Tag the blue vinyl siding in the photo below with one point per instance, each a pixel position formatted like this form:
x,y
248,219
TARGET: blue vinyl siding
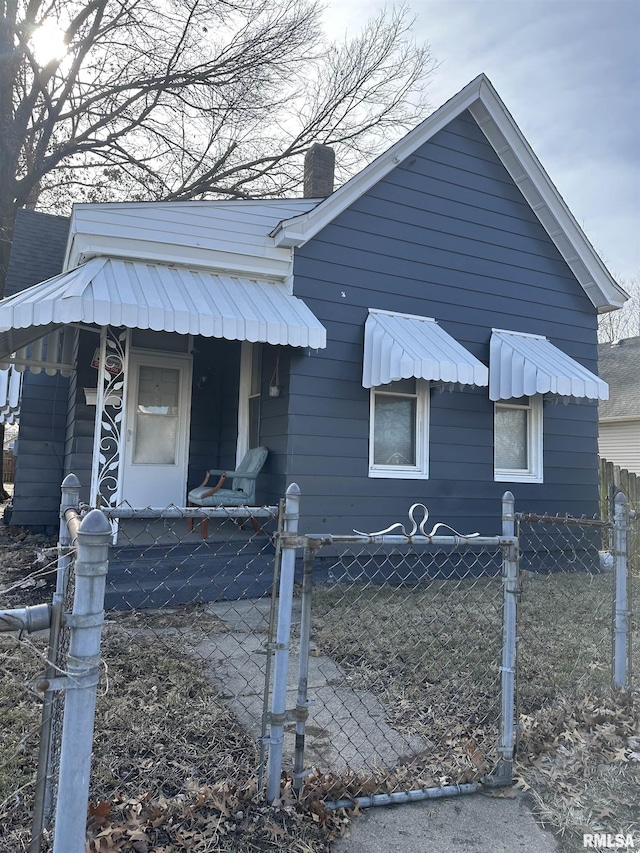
x,y
81,417
37,253
40,458
448,235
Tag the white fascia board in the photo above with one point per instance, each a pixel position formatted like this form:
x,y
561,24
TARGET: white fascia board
x,y
297,230
500,129
70,255
88,246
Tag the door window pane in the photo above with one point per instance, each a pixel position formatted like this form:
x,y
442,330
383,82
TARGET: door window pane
x,y
156,417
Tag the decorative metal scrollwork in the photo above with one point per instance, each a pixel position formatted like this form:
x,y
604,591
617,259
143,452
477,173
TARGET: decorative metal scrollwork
x,y
112,375
417,526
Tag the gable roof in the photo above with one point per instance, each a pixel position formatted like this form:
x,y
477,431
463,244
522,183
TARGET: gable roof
x,y
37,251
482,101
619,365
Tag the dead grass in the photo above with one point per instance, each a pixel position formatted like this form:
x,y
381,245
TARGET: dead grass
x,y
172,770
579,748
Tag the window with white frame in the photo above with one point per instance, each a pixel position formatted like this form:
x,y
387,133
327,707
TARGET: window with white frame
x,y
399,429
518,440
254,396
249,399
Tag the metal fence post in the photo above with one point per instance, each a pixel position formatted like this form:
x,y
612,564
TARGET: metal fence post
x,y
80,682
302,702
283,633
269,645
503,774
621,680
70,498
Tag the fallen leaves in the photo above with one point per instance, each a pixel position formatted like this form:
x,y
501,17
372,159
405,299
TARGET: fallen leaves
x,y
222,816
575,760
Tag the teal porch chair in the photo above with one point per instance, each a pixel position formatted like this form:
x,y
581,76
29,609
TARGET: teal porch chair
x,y
241,493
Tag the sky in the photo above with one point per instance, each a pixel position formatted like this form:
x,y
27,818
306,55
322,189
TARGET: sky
x,y
568,71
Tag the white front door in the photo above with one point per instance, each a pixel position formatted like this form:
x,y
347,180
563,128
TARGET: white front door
x,y
157,430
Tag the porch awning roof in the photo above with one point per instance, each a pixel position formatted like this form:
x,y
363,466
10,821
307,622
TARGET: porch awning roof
x,y
401,346
136,294
522,365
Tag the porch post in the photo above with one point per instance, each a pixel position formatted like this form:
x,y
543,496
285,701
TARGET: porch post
x,y
110,420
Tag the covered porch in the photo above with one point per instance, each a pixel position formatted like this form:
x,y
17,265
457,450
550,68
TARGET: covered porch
x,y
175,370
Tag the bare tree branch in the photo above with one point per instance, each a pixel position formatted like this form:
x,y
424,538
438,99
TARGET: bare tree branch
x,y
625,323
191,99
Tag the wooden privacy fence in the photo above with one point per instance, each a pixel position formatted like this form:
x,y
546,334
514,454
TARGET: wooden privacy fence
x,y
612,479
9,466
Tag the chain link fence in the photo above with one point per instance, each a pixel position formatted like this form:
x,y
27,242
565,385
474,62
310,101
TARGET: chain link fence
x,y
21,661
565,614
567,618
395,680
405,674
28,570
186,656
577,730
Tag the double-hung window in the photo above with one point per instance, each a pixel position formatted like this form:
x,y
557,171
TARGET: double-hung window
x,y
518,440
399,427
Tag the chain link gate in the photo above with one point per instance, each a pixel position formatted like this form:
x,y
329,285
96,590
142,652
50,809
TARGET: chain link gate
x,y
405,649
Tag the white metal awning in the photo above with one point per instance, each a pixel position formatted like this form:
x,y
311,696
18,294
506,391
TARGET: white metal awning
x,y
10,392
401,346
136,294
522,365
51,353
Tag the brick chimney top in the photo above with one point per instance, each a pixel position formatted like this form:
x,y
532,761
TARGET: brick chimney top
x,y
319,165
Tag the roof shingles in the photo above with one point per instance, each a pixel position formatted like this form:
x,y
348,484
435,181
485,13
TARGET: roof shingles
x,y
38,249
619,365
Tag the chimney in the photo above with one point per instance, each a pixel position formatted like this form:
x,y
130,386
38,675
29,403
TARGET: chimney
x,y
319,162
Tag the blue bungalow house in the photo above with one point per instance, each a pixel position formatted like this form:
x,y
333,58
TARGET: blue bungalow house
x,y
427,332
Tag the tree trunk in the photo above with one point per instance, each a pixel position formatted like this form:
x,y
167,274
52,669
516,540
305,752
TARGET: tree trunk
x,y
7,223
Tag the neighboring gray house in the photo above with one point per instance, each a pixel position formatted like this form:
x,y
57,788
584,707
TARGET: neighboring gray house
x,y
404,338
37,253
619,416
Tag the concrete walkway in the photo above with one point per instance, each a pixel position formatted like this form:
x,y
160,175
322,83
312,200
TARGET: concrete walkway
x,y
468,824
346,728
